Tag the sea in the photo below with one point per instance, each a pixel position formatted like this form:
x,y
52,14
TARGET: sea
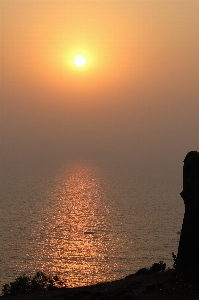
x,y
87,225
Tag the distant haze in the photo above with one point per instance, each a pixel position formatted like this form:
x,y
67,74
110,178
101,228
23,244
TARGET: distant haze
x,y
136,105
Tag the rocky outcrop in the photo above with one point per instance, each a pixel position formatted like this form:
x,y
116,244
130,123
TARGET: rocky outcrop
x,y
187,260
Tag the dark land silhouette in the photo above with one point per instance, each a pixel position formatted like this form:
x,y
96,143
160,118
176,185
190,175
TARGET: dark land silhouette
x,y
188,252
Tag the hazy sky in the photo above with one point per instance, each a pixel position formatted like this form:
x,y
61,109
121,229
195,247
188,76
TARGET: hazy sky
x,y
134,105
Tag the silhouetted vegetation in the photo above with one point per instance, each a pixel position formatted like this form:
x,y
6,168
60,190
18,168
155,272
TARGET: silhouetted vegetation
x,y
24,284
175,260
155,268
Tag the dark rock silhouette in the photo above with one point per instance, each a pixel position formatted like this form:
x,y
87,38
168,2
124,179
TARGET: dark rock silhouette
x,y
187,261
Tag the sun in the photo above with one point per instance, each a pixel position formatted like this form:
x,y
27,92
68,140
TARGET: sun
x,y
80,61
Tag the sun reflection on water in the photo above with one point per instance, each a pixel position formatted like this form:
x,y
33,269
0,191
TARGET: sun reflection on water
x,y
77,243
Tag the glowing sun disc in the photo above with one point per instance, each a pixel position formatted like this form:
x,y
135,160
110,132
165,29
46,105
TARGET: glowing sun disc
x,y
79,61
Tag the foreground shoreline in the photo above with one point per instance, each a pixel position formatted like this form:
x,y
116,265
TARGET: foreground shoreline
x,y
157,286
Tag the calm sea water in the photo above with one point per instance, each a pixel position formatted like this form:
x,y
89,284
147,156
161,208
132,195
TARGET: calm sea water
x,y
87,226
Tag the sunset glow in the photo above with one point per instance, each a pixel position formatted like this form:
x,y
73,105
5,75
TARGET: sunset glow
x,y
80,61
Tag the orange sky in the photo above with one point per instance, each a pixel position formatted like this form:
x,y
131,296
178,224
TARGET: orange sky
x,y
136,96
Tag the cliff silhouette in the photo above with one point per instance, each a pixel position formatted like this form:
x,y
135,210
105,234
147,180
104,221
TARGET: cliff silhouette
x,y
187,261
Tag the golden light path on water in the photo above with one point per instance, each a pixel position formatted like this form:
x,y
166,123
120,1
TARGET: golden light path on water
x,y
86,226
78,244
